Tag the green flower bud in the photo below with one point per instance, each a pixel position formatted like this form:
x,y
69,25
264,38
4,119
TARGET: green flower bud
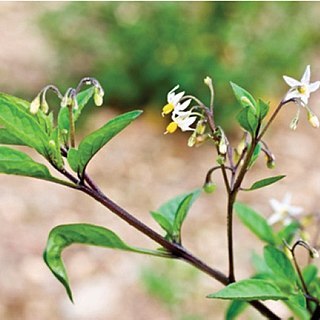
x,y
35,104
209,187
98,96
220,160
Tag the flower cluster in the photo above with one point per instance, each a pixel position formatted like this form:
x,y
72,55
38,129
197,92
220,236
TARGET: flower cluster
x,y
181,117
300,93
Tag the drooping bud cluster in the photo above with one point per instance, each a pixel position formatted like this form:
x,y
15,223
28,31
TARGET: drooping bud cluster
x,y
69,99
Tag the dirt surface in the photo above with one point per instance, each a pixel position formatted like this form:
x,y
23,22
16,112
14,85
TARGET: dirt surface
x,y
140,169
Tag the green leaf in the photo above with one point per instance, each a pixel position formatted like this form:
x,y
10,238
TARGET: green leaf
x,y
240,93
263,108
309,274
248,120
18,163
288,232
235,308
164,223
90,145
280,264
250,289
23,126
297,304
63,236
171,214
264,182
255,222
7,138
183,210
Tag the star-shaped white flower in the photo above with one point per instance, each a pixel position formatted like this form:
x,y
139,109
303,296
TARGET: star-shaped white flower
x,y
283,211
174,104
183,120
300,90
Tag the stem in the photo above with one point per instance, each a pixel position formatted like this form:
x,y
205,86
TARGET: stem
x,y
72,127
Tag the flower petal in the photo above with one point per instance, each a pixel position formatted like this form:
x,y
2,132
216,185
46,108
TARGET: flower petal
x,y
274,218
291,82
314,86
306,76
292,94
182,106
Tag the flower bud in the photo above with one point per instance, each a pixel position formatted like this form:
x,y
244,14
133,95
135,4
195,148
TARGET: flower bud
x,y
313,119
209,187
44,105
208,81
201,127
314,253
271,163
98,96
64,102
223,146
35,104
192,140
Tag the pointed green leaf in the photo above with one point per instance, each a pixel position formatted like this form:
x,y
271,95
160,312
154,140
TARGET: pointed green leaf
x,y
250,289
164,223
235,308
183,209
241,93
248,120
63,236
18,163
7,138
280,264
264,182
174,212
263,108
255,222
18,121
91,144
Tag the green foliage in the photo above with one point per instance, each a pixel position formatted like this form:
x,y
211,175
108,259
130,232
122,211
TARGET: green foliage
x,y
265,182
23,126
248,120
91,144
171,214
250,289
18,163
280,264
235,308
255,155
164,55
244,97
255,222
63,236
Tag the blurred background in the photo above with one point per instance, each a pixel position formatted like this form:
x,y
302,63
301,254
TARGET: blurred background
x,y
139,51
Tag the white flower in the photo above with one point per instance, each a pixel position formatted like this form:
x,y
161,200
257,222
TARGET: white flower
x,y
183,120
283,211
301,90
174,104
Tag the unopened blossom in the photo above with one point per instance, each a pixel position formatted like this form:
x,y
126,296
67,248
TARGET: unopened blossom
x,y
35,104
283,211
300,90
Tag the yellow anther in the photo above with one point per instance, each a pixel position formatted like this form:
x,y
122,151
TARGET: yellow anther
x,y
167,109
302,89
171,128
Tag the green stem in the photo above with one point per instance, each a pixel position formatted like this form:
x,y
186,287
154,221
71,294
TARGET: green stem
x,y
72,127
